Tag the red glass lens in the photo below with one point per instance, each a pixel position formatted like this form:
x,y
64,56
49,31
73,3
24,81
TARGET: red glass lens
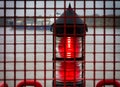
x,y
69,71
69,47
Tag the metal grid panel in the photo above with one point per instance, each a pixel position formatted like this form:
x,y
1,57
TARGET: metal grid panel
x,y
26,47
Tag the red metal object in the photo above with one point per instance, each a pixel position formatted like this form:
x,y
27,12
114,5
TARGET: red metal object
x,y
2,84
108,82
29,83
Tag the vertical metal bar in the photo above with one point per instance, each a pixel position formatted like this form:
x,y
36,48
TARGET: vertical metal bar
x,y
104,41
64,44
35,41
5,41
94,47
84,63
25,41
14,43
45,43
74,19
54,46
114,42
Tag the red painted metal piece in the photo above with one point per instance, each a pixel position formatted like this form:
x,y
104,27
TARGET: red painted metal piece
x,y
108,82
2,84
29,83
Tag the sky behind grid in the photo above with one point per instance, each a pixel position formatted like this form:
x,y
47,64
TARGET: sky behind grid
x,y
99,5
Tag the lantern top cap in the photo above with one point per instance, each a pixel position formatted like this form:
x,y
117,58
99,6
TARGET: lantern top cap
x,y
69,17
69,5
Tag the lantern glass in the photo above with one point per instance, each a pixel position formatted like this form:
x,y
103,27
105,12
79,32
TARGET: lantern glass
x,y
68,71
68,47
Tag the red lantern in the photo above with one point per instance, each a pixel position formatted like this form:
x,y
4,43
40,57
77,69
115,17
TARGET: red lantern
x,y
68,49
